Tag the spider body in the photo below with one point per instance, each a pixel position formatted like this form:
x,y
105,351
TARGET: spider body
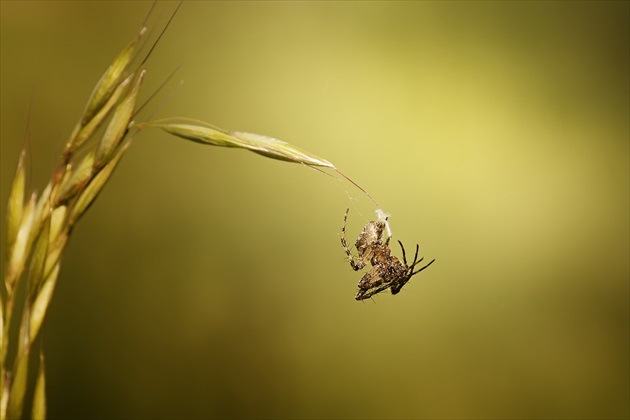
x,y
387,271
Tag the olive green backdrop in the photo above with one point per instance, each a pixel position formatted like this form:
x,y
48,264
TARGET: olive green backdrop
x,y
210,282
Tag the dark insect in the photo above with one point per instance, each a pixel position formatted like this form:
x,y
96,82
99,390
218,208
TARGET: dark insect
x,y
387,271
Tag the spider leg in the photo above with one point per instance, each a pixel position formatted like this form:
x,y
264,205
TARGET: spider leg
x,y
398,285
412,266
368,293
415,258
356,266
417,271
403,251
416,261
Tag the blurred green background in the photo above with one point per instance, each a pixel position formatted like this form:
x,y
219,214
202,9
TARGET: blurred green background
x,y
210,282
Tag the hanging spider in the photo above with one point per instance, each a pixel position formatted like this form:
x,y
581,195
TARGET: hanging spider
x,y
387,271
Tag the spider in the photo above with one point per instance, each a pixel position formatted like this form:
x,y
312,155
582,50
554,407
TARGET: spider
x,y
387,271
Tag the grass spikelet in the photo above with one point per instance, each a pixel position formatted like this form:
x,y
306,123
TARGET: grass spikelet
x,y
118,126
200,132
57,223
16,202
204,134
20,249
57,238
263,145
18,387
87,197
277,149
77,178
85,131
104,89
39,398
111,77
42,210
40,304
38,260
55,250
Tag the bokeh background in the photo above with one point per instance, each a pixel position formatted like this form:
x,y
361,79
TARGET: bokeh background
x,y
210,282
